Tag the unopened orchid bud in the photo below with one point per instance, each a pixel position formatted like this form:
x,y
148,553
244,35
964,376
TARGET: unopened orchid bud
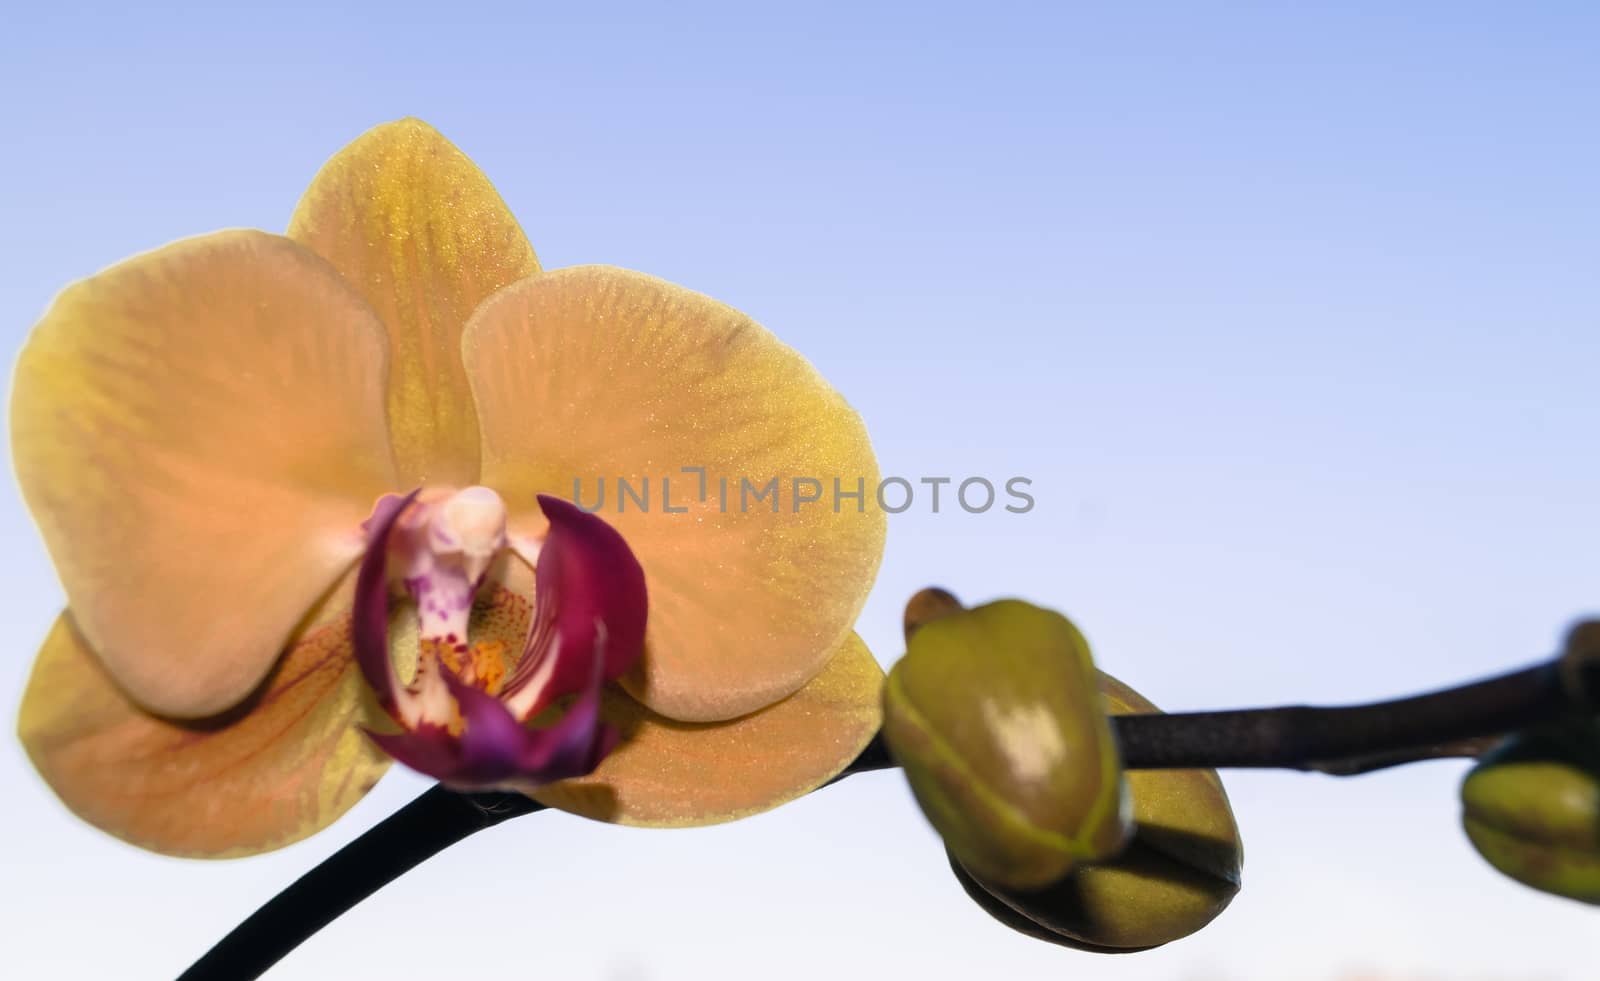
x,y
1580,663
995,715
1532,808
927,606
1179,871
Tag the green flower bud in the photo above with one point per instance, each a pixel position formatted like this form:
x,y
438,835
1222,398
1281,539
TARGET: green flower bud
x,y
1181,869
1532,808
927,606
1580,663
995,716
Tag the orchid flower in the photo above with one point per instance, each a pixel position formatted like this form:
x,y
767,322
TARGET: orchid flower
x,y
307,499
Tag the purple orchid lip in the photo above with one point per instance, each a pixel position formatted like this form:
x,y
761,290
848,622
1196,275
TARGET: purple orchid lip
x,y
370,623
588,625
590,597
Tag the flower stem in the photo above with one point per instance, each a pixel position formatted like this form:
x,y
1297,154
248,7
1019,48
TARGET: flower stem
x,y
1348,740
434,821
1342,741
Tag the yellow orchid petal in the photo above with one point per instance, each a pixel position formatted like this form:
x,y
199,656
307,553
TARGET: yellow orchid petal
x,y
593,372
272,771
680,774
199,433
418,229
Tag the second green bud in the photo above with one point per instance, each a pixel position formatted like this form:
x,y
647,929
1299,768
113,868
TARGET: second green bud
x,y
1532,808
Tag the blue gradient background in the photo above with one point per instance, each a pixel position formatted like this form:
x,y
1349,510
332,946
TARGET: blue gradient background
x,y
1291,315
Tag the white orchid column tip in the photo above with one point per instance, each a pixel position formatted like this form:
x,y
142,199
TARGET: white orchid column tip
x,y
442,546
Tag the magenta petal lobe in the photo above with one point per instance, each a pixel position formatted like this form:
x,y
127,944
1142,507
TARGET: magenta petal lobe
x,y
495,750
428,749
370,623
590,606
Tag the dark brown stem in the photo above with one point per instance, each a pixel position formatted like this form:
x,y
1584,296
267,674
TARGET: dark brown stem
x,y
394,846
1350,739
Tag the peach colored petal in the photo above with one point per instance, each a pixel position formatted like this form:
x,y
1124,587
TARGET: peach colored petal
x,y
592,372
273,770
680,774
419,230
199,432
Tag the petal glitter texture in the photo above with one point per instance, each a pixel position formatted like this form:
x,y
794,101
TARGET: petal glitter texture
x,y
277,769
591,372
418,229
678,774
201,429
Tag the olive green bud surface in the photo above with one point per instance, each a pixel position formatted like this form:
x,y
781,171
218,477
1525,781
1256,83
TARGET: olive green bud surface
x,y
996,717
1531,807
1179,872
